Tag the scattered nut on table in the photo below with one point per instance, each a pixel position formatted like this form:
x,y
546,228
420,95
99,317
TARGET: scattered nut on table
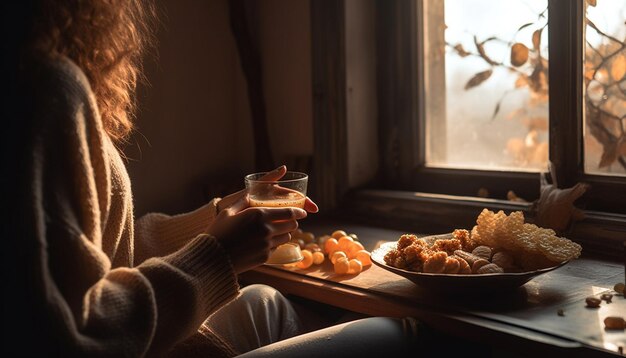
x,y
560,312
614,322
619,288
606,297
593,302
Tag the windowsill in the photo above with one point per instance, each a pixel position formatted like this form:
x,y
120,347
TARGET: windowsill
x,y
599,233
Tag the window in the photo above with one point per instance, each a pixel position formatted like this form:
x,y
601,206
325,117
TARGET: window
x,y
485,80
605,89
426,180
501,87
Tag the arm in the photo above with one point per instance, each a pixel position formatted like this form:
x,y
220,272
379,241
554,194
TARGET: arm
x,y
158,234
65,298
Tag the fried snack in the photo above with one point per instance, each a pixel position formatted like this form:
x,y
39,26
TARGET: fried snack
x,y
452,265
392,257
467,244
436,263
526,241
482,251
447,245
415,253
406,240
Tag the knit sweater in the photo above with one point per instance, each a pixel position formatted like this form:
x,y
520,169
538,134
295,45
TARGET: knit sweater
x,y
87,279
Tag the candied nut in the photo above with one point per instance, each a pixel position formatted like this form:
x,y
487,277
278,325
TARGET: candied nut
x,y
436,263
593,302
452,265
469,257
619,288
504,260
464,266
484,252
614,322
478,264
490,268
606,297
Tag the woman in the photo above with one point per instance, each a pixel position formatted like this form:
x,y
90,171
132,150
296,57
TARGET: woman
x,y
84,277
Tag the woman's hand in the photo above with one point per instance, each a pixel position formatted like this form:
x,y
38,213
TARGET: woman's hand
x,y
249,233
275,174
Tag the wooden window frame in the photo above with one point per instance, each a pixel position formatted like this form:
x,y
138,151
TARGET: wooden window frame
x,y
407,194
402,114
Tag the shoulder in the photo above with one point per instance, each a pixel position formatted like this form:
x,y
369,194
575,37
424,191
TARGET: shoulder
x,y
55,98
55,79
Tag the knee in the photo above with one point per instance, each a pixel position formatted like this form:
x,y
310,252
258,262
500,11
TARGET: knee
x,y
261,294
258,291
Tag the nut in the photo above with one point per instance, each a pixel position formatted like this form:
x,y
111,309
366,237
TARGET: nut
x,y
490,268
614,322
560,312
484,252
469,257
606,297
504,260
478,264
464,267
619,288
593,302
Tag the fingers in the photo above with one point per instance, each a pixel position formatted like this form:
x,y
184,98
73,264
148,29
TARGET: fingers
x,y
275,174
310,206
240,204
282,227
282,214
280,239
227,201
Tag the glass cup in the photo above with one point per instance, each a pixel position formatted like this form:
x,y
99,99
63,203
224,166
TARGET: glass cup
x,y
289,191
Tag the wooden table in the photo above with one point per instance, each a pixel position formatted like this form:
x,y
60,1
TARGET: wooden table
x,y
526,317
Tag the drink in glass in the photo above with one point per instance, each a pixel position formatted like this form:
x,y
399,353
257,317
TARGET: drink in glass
x,y
289,191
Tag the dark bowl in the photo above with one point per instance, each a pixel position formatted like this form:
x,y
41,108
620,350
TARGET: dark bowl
x,y
456,282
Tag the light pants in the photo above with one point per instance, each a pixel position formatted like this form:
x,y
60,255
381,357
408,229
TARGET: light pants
x,y
262,317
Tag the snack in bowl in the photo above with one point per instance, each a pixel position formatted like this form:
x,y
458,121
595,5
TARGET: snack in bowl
x,y
498,243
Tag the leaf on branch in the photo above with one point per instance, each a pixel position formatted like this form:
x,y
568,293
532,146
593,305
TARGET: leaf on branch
x,y
524,26
618,68
537,39
522,81
519,54
591,2
478,78
460,50
481,50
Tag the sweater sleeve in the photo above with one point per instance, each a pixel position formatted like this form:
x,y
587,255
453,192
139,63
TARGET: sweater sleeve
x,y
68,298
158,234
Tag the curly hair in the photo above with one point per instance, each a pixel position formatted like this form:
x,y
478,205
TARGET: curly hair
x,y
107,40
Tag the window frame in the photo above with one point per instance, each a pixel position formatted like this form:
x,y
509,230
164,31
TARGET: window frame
x,y
402,115
400,195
